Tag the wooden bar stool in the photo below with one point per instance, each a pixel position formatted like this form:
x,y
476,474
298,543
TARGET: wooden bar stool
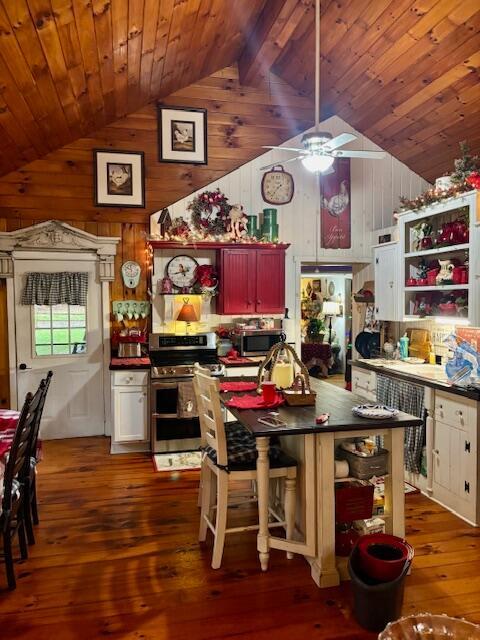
x,y
231,456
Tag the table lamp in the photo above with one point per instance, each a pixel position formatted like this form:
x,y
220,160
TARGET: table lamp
x,y
330,308
187,314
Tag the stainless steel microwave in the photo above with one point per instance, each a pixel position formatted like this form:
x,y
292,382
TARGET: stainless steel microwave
x,y
257,342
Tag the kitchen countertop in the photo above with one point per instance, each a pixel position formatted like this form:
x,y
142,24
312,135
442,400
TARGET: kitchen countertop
x,y
429,375
242,362
117,364
302,420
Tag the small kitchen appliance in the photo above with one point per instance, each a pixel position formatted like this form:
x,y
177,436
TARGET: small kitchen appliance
x,y
256,342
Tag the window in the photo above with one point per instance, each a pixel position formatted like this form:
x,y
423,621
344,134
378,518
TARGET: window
x,y
60,329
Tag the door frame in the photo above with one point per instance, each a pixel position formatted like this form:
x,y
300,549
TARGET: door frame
x,y
48,240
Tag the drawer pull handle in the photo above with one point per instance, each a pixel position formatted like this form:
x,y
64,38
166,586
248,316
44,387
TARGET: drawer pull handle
x,y
459,413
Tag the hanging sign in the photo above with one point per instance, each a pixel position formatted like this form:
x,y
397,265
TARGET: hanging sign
x,y
335,211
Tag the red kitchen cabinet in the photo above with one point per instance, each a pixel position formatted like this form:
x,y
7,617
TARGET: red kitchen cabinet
x,y
252,280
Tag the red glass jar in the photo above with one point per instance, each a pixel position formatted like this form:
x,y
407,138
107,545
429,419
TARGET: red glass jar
x,y
345,539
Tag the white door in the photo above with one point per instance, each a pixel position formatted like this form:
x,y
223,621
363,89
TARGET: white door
x,y
386,282
67,340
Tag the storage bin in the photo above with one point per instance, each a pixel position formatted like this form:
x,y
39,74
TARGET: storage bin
x,y
353,500
364,468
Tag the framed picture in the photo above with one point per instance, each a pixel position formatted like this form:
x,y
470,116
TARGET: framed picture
x,y
182,135
119,178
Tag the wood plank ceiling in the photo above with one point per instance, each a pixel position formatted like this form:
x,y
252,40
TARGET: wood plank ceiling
x,y
405,73
69,67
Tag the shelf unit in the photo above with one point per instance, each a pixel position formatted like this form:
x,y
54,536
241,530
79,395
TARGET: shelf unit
x,y
446,211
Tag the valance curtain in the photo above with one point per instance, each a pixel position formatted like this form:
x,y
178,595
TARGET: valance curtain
x,y
56,288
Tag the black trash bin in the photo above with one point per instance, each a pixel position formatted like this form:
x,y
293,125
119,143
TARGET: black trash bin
x,y
375,603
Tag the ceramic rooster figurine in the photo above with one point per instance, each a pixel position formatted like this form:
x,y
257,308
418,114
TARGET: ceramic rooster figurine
x,y
337,204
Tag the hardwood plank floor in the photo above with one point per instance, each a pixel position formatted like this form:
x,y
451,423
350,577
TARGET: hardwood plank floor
x,y
117,556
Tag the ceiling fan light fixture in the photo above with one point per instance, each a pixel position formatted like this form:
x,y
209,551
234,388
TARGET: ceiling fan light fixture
x,y
317,163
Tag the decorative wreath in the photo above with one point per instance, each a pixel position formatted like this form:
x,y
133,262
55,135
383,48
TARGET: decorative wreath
x,y
210,211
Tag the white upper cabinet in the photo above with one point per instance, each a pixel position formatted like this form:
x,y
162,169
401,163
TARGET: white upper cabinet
x,y
386,259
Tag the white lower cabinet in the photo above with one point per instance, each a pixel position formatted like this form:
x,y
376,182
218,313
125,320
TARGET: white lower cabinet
x,y
364,384
454,481
130,406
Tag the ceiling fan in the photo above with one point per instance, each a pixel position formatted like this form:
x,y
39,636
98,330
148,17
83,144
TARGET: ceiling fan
x,y
319,148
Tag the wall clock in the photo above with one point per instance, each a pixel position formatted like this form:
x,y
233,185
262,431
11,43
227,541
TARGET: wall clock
x,y
131,273
182,271
277,186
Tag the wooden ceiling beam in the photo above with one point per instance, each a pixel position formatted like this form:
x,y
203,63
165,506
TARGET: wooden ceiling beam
x,y
273,29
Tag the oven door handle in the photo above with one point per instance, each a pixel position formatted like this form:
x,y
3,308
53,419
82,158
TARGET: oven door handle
x,y
164,416
163,385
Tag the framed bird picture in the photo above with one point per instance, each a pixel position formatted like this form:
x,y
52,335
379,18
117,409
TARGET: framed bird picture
x,y
182,135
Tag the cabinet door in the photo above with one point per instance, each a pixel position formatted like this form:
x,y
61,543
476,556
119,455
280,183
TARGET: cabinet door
x,y
270,277
386,282
130,420
441,457
237,281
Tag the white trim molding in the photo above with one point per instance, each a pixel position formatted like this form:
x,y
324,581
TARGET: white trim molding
x,y
47,241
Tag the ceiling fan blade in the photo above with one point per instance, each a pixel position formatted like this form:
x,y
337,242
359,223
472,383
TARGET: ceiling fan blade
x,y
272,164
284,148
373,155
329,171
338,141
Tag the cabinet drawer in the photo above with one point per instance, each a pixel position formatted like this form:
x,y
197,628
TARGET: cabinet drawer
x,y
235,372
451,410
130,378
364,383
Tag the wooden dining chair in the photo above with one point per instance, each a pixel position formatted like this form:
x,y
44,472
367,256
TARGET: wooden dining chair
x,y
229,457
12,512
29,473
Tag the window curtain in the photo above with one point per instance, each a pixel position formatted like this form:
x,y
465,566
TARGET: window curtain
x,y
56,288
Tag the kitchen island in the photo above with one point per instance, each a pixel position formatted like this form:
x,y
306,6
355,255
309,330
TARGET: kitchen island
x,y
317,467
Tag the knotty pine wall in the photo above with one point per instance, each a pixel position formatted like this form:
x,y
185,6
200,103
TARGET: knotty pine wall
x,y
60,185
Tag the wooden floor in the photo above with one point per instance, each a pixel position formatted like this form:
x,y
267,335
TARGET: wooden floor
x,y
117,556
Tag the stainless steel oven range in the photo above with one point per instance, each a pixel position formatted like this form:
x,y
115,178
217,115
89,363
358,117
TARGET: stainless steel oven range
x,y
174,423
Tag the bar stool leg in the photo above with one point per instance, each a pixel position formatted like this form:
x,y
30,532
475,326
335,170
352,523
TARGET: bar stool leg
x,y
290,504
263,471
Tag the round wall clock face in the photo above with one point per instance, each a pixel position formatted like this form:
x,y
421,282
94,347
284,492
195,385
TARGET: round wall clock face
x,y
181,271
277,186
131,273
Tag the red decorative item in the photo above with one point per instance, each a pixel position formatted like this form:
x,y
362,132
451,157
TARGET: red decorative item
x,y
268,392
422,282
335,213
460,275
206,276
474,180
255,402
432,277
411,282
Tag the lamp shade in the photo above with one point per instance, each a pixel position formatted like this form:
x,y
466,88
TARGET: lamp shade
x,y
187,312
331,308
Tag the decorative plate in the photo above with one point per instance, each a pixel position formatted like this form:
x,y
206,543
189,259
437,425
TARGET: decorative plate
x,y
374,411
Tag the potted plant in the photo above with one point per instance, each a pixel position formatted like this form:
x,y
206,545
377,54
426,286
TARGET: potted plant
x,y
315,330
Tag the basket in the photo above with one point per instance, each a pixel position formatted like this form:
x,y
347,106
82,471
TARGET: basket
x,y
266,367
362,467
353,500
299,395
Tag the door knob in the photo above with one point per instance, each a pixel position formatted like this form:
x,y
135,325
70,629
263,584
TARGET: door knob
x,y
22,366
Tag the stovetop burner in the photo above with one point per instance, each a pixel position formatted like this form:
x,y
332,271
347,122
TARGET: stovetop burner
x,y
174,356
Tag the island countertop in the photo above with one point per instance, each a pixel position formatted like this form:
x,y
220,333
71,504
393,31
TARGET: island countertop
x,y
301,420
427,375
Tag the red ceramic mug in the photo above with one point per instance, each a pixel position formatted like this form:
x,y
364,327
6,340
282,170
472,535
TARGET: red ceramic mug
x,y
268,392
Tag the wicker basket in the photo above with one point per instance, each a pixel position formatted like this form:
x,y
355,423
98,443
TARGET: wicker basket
x,y
299,395
362,467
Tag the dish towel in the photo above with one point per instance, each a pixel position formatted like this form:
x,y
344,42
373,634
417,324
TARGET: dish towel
x,y
186,403
409,398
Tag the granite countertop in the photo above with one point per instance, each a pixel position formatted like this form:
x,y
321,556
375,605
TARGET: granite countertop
x,y
429,375
130,363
